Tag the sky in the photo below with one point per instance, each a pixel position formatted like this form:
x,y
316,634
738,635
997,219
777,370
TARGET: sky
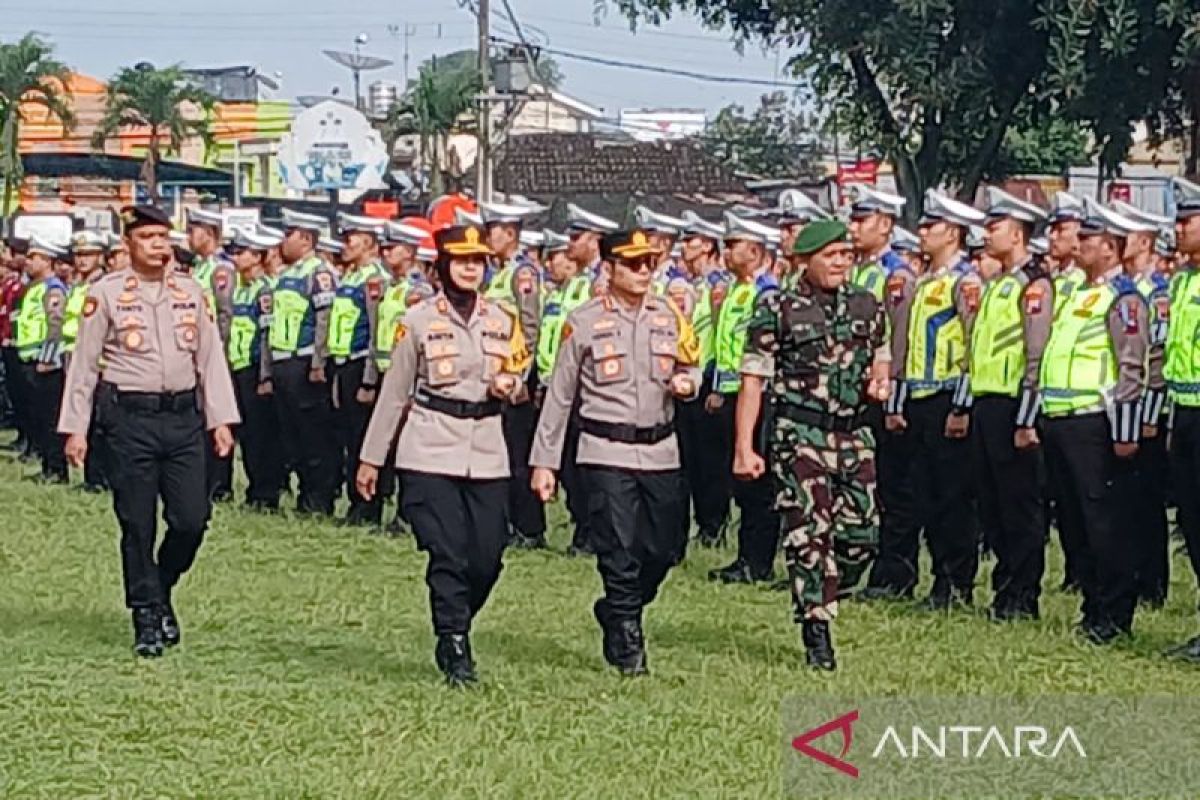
x,y
98,36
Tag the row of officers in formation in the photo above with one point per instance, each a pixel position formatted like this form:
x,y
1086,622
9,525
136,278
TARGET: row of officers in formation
x,y
849,386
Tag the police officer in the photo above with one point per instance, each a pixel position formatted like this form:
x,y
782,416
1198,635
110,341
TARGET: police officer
x,y
87,252
516,284
249,355
1181,368
796,209
1005,355
704,460
152,333
584,233
880,270
670,279
353,327
746,243
817,347
457,356
299,337
928,350
1091,381
625,358
1141,264
568,289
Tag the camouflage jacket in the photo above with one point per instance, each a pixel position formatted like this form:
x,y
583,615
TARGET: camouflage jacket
x,y
815,347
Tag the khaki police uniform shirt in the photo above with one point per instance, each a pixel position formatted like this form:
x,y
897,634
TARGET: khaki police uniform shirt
x,y
152,336
619,362
438,353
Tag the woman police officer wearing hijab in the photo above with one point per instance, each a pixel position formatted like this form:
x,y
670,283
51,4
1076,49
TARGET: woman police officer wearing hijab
x,y
457,356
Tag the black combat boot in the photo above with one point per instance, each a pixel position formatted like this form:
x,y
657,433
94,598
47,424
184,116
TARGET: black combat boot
x,y
147,632
631,648
818,645
611,641
453,656
1188,651
739,572
170,624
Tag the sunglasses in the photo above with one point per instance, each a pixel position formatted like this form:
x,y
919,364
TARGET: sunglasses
x,y
645,264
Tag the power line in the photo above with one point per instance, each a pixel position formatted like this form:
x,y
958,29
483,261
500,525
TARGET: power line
x,y
680,73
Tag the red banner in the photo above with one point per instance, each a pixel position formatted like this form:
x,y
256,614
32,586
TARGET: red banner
x,y
866,171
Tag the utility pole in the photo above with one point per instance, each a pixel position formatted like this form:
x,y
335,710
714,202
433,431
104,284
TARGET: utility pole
x,y
483,153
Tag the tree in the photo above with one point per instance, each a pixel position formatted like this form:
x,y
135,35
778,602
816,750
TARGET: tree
x,y
163,101
937,84
548,73
773,142
29,78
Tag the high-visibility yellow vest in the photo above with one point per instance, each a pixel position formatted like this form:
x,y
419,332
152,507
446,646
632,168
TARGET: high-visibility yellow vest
x,y
998,339
203,272
349,324
31,325
1079,369
729,337
73,315
1181,365
247,322
560,302
1066,282
936,342
292,323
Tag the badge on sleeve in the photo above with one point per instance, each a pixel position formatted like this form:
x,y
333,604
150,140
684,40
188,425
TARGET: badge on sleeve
x,y
264,303
89,306
895,289
526,284
1163,306
1129,316
401,332
567,330
971,294
324,282
1034,296
374,289
220,280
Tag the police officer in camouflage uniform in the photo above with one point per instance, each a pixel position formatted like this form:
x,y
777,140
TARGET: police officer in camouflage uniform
x,y
817,348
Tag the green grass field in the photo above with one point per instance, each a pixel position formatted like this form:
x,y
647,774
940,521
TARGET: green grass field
x,y
306,670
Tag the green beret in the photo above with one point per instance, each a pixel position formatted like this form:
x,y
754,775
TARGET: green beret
x,y
817,235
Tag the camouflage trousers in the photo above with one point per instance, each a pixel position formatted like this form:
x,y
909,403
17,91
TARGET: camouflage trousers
x,y
825,496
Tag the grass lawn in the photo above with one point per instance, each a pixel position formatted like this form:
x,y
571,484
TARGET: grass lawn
x,y
306,670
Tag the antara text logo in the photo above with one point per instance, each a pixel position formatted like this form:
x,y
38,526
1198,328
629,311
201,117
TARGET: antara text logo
x,y
939,742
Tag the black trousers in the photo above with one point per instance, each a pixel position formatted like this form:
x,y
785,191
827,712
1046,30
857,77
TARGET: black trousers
x,y
945,504
1011,506
306,427
461,523
45,391
352,420
525,512
14,380
158,455
1185,471
707,456
634,525
95,464
574,486
1150,526
1097,487
258,439
897,565
758,529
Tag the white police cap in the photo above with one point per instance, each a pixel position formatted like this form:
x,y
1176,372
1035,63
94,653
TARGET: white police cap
x,y
940,208
695,225
905,240
1104,220
554,242
748,230
200,216
400,233
1002,204
506,213
796,206
252,240
313,223
1160,224
349,223
581,220
654,222
533,239
1187,198
872,201
1066,207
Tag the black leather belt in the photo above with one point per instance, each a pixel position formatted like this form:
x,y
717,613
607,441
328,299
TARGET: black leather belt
x,y
461,409
826,422
157,402
626,434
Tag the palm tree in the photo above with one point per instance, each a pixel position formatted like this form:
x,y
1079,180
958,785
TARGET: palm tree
x,y
29,76
163,101
432,109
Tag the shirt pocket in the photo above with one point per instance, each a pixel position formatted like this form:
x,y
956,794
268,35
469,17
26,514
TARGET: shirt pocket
x,y
495,353
187,335
809,340
610,358
133,333
664,349
441,362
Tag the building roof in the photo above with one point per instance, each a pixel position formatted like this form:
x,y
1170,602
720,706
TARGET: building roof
x,y
553,164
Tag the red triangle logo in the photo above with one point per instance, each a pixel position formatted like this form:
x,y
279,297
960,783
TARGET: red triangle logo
x,y
845,725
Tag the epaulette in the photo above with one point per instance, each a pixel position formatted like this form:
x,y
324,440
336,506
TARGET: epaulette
x,y
1123,284
1034,270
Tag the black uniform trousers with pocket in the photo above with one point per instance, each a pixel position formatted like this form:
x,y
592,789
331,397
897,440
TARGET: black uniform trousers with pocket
x,y
525,512
1099,490
306,426
45,391
258,438
1185,472
634,524
758,527
1154,559
352,420
159,442
462,524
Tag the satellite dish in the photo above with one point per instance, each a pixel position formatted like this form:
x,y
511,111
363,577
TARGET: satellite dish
x,y
357,62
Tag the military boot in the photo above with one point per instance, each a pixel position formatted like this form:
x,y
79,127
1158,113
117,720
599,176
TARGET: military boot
x,y
453,656
147,632
170,624
818,645
631,648
1188,651
611,641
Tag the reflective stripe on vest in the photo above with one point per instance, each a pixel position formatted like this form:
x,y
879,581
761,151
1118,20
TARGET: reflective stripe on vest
x,y
31,325
1181,365
998,339
73,315
292,307
500,288
391,313
1065,283
1079,368
870,276
559,304
936,343
702,321
349,324
202,273
730,335
244,326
